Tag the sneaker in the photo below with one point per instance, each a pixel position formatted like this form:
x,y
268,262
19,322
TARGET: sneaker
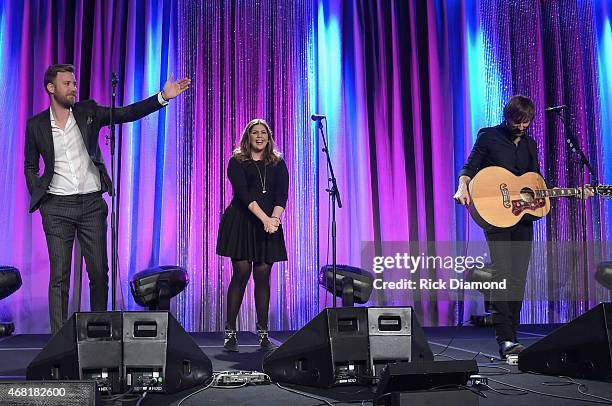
x,y
229,342
510,348
264,341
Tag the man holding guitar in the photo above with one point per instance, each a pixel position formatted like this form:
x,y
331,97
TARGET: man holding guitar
x,y
509,147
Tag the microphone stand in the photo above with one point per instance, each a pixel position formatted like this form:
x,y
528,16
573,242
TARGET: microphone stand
x,y
335,196
574,145
114,236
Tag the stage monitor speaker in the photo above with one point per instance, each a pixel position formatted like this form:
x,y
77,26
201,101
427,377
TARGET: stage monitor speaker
x,y
344,346
87,347
581,348
159,356
395,335
121,351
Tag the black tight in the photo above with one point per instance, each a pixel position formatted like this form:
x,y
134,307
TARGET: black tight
x,y
241,272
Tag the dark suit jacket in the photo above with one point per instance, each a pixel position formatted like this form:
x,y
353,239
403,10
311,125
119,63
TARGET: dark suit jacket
x,y
90,117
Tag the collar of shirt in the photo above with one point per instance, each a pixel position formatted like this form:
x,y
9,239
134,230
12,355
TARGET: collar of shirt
x,y
69,123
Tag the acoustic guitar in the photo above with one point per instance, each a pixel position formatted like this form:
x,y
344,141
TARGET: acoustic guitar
x,y
502,199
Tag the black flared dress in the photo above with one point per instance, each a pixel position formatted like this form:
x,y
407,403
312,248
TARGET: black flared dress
x,y
241,234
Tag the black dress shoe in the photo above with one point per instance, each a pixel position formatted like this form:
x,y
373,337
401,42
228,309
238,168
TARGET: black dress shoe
x,y
229,340
510,348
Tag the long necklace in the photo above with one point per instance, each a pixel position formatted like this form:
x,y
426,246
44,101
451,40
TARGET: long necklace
x,y
262,180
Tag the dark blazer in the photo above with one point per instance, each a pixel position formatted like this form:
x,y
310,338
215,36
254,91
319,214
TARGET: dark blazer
x,y
90,117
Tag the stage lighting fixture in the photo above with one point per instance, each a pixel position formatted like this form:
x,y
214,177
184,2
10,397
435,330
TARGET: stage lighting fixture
x,y
604,274
352,284
153,287
10,281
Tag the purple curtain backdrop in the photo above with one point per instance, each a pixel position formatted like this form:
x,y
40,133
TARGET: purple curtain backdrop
x,y
405,86
247,60
408,84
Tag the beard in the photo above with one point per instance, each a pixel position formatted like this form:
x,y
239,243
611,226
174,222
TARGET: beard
x,y
65,101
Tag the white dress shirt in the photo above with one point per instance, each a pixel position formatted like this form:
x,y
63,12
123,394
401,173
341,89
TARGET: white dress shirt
x,y
75,172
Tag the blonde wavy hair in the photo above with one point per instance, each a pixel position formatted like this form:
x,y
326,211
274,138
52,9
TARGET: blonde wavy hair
x,y
243,152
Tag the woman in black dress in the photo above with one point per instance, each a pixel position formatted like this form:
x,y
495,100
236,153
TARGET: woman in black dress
x,y
250,232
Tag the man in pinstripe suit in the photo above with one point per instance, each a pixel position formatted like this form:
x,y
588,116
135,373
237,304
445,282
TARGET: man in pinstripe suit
x,y
69,192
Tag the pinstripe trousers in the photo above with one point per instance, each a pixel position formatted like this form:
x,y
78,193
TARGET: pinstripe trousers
x,y
63,218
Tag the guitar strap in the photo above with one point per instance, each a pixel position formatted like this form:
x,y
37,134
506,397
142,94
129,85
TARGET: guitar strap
x,y
533,153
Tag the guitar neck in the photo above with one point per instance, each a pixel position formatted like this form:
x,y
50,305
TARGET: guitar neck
x,y
601,190
560,192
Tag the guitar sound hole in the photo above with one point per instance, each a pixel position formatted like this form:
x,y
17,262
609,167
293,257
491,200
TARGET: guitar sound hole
x,y
527,195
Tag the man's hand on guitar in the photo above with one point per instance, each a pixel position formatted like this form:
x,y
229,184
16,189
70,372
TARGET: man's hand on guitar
x,y
462,195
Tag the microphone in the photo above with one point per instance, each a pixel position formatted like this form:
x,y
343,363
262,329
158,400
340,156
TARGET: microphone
x,y
114,78
555,109
317,117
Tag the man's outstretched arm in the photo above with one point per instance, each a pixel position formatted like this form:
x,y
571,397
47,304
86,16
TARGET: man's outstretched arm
x,y
140,109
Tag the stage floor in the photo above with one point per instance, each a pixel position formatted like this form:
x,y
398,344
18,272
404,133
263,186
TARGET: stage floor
x,y
450,342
